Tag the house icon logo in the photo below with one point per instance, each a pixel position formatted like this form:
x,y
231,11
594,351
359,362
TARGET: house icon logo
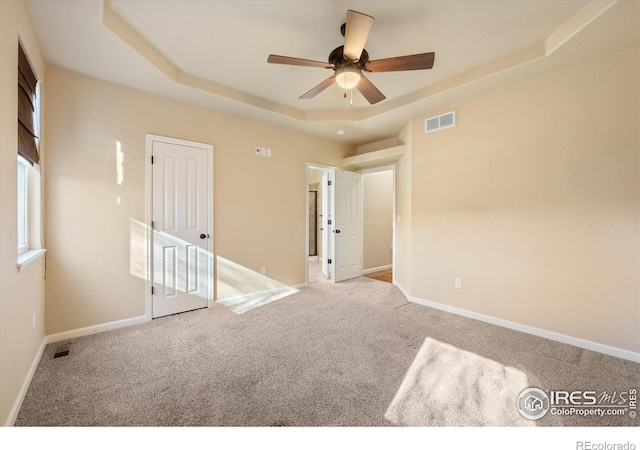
x,y
533,403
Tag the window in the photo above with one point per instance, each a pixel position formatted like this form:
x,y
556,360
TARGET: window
x,y
23,205
28,176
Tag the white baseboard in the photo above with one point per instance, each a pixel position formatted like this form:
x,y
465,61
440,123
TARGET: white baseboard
x,y
15,409
95,329
565,339
377,269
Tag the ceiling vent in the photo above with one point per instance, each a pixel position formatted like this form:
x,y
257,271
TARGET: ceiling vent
x,y
446,120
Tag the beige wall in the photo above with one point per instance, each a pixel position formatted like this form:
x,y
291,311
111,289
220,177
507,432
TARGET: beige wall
x,y
21,294
533,201
402,268
377,219
94,224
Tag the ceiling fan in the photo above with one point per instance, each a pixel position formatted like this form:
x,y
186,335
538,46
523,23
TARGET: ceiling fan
x,y
351,59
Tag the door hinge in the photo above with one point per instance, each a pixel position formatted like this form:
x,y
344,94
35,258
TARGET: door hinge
x,y
329,222
151,159
153,225
329,261
329,183
153,290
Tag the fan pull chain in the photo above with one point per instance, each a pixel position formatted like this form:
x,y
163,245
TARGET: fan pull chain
x,y
345,84
350,95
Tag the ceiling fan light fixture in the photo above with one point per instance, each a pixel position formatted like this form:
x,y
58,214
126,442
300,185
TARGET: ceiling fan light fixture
x,y
348,77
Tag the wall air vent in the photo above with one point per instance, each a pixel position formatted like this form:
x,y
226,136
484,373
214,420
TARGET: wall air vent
x,y
61,350
446,120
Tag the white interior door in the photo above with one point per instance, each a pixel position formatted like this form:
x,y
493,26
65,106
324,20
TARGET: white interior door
x,y
182,245
347,229
327,246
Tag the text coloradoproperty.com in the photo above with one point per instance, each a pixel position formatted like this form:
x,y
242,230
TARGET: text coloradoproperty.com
x,y
599,411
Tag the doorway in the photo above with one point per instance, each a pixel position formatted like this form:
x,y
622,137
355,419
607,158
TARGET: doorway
x,y
314,219
318,266
340,223
180,213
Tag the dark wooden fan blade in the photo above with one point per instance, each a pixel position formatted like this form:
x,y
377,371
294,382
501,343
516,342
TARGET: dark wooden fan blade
x,y
319,88
277,59
356,34
369,91
409,62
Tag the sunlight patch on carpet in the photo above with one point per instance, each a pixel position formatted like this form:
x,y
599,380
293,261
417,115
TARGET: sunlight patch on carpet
x,y
243,289
447,386
243,303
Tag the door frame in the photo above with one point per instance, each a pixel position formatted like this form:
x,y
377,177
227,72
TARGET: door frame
x,y
148,166
391,167
306,221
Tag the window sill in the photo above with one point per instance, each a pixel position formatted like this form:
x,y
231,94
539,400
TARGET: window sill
x,y
29,257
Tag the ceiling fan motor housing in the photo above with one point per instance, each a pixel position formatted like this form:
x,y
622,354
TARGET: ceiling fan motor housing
x,y
336,57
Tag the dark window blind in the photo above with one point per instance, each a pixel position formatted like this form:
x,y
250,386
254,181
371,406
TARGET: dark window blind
x,y
27,139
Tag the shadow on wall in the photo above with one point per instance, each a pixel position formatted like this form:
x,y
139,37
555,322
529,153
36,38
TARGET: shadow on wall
x,y
238,287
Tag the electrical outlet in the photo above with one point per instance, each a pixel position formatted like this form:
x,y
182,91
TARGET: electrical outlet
x,y
458,283
263,151
263,270
268,153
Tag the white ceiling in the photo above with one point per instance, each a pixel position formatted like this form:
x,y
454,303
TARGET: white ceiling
x,y
214,53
